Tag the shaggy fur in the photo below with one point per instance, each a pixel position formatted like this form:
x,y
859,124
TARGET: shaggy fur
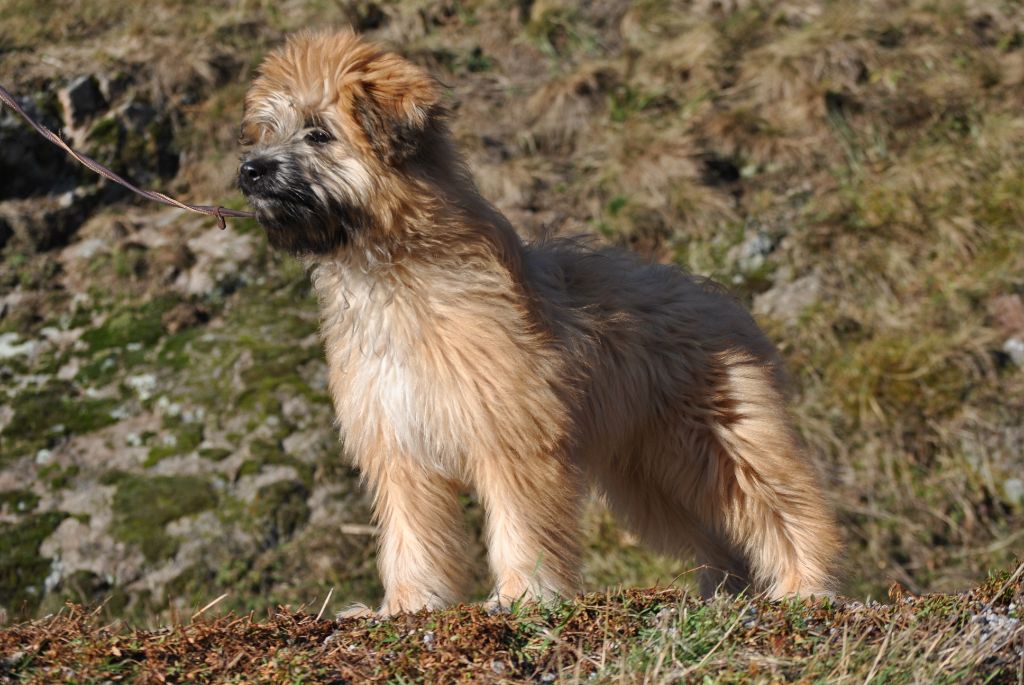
x,y
460,356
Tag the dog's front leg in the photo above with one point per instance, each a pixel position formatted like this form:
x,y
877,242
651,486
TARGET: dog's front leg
x,y
422,543
532,526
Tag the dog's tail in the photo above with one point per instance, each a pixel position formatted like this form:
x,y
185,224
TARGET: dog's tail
x,y
764,495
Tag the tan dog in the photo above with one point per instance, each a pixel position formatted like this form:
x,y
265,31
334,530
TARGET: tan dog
x,y
460,356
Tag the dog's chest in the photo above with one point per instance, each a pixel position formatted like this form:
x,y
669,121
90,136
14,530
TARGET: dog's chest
x,y
382,372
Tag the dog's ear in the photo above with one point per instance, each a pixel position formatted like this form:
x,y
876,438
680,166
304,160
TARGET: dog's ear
x,y
396,105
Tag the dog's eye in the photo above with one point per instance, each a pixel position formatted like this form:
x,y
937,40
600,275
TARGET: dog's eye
x,y
319,136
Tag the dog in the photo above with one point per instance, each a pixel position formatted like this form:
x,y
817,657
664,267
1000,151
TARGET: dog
x,y
458,355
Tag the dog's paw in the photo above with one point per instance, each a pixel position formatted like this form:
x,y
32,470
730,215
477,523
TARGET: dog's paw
x,y
355,611
500,605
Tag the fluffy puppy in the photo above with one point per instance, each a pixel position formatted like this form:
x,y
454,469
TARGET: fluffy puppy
x,y
460,356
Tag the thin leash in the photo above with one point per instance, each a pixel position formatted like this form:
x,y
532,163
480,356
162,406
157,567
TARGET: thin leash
x,y
92,164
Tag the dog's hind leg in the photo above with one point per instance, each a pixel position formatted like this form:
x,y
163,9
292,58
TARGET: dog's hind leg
x,y
735,487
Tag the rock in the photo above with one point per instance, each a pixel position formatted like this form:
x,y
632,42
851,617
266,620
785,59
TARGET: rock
x,y
184,315
749,255
85,249
81,100
788,301
134,140
29,164
10,347
144,385
366,16
5,231
47,223
309,445
1013,489
218,258
85,546
1014,347
1008,313
113,86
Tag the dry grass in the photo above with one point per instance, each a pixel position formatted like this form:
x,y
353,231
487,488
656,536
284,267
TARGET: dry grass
x,y
632,636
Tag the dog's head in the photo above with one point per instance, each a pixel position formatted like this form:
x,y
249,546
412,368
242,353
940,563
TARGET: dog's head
x,y
328,121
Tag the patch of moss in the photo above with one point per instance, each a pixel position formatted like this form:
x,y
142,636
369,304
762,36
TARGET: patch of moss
x,y
175,353
144,506
249,467
45,415
22,569
265,331
58,476
59,404
184,438
135,325
18,501
106,131
274,367
264,452
215,453
192,584
101,369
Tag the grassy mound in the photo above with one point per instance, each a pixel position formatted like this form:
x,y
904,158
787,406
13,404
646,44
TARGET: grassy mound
x,y
633,636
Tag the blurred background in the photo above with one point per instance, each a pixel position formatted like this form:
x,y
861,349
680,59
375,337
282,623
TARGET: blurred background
x,y
852,171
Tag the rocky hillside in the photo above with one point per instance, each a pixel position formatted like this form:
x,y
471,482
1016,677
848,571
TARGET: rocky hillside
x,y
853,171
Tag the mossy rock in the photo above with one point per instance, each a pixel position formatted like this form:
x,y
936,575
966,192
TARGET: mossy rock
x,y
281,508
144,506
264,453
215,453
22,569
134,141
43,416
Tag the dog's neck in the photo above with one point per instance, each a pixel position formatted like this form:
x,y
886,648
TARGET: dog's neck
x,y
434,216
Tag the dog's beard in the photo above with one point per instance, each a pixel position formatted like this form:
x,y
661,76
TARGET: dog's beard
x,y
304,219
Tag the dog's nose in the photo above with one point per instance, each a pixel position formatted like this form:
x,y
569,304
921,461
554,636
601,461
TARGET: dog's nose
x,y
254,171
